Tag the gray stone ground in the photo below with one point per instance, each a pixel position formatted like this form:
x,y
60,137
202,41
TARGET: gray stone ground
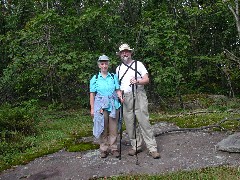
x,y
179,151
230,144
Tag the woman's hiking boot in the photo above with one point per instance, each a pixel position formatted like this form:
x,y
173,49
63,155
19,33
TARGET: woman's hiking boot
x,y
115,153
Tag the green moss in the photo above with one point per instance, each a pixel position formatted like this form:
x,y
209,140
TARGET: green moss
x,y
84,146
13,159
188,120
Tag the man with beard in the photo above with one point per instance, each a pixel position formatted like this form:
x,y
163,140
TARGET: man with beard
x,y
133,76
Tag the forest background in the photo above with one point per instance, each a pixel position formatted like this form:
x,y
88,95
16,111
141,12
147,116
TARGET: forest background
x,y
49,48
49,51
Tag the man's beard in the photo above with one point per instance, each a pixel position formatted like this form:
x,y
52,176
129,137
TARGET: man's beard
x,y
125,59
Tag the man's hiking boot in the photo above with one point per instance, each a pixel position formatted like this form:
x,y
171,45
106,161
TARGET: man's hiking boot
x,y
132,152
115,153
154,154
103,154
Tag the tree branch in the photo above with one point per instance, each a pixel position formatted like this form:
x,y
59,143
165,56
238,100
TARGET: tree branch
x,y
231,56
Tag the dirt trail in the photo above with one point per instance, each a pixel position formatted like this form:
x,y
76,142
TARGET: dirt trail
x,y
179,151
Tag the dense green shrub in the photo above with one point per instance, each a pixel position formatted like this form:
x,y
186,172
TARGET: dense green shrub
x,y
16,122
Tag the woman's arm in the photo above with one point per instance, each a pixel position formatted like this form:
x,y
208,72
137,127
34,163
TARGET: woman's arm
x,y
92,96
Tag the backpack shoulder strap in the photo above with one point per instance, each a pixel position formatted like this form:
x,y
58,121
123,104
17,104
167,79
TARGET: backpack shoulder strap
x,y
128,67
112,74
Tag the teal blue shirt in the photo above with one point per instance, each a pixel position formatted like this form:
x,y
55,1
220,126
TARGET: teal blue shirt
x,y
105,86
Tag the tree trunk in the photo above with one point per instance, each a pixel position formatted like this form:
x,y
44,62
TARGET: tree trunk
x,y
235,13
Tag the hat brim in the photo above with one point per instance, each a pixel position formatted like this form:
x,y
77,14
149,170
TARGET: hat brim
x,y
118,53
103,60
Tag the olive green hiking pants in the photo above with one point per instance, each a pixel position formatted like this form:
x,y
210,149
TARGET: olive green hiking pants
x,y
143,130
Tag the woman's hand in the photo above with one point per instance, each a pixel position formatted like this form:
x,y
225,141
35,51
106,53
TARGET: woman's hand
x,y
92,112
119,94
121,99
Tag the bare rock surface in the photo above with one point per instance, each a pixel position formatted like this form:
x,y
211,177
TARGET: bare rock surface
x,y
179,151
230,144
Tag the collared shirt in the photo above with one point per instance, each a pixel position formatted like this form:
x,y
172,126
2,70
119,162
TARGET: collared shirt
x,y
104,86
130,73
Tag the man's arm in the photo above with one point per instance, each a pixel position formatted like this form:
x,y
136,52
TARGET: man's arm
x,y
144,80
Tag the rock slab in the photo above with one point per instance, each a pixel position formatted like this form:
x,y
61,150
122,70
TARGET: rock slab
x,y
230,144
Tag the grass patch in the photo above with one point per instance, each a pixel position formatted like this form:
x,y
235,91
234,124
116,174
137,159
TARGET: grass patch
x,y
84,146
61,129
56,130
188,120
222,172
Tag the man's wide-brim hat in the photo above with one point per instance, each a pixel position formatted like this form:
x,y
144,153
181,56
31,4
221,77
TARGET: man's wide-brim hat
x,y
103,58
124,47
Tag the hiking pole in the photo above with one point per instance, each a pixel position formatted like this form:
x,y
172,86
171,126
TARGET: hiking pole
x,y
120,127
135,121
134,112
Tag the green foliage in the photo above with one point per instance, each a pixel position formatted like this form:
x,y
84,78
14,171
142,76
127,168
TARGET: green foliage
x,y
55,130
49,50
16,122
165,51
221,172
201,110
48,54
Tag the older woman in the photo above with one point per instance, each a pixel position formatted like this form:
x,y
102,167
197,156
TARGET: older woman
x,y
104,94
